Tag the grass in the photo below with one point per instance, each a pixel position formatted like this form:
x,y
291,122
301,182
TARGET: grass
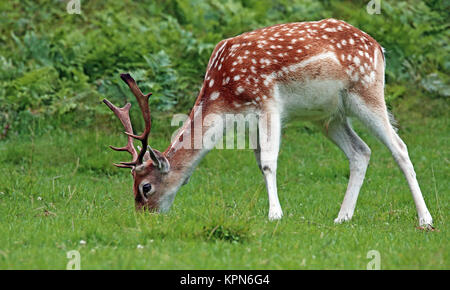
x,y
59,188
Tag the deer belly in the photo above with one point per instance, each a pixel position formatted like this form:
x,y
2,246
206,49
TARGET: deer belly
x,y
309,100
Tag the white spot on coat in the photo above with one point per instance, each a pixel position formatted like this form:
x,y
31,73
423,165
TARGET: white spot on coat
x,y
214,95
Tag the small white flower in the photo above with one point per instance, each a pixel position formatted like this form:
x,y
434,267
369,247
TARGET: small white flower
x,y
82,242
151,241
140,246
39,198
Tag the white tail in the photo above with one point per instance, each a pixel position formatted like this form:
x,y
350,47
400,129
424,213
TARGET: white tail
x,y
322,71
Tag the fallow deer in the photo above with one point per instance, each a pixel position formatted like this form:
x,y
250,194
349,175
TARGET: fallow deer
x,y
323,71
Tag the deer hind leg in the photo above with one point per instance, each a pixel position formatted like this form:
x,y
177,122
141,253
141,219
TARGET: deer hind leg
x,y
340,132
269,129
376,118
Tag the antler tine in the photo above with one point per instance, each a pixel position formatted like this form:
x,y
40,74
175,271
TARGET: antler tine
x,y
143,104
124,117
123,165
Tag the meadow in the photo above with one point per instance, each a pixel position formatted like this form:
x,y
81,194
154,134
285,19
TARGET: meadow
x,y
60,189
60,192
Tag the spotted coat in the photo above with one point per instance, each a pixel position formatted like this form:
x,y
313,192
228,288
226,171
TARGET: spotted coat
x,y
243,69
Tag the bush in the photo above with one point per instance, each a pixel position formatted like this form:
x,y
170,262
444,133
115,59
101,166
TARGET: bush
x,y
58,66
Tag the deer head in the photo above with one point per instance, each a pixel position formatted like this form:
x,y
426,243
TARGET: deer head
x,y
149,168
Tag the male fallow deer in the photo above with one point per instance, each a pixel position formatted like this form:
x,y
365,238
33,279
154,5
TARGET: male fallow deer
x,y
324,71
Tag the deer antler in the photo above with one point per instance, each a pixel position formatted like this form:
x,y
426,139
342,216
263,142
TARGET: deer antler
x,y
124,117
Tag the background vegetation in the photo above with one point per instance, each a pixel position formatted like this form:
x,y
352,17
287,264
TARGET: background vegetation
x,y
58,66
59,191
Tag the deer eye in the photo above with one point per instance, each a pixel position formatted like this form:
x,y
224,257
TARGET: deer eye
x,y
146,188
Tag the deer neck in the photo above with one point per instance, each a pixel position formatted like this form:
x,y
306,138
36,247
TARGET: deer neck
x,y
189,147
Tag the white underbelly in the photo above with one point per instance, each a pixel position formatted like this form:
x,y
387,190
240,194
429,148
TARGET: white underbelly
x,y
314,99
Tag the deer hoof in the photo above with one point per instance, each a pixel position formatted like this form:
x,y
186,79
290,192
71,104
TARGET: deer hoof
x,y
342,218
275,215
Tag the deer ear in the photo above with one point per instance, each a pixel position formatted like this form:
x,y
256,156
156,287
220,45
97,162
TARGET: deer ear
x,y
159,159
146,156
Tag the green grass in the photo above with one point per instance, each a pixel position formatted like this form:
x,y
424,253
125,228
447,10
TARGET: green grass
x,y
59,188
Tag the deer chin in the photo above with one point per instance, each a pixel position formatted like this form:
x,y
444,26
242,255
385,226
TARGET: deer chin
x,y
166,200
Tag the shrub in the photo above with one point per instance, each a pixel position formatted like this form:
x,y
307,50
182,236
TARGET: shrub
x,y
58,66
